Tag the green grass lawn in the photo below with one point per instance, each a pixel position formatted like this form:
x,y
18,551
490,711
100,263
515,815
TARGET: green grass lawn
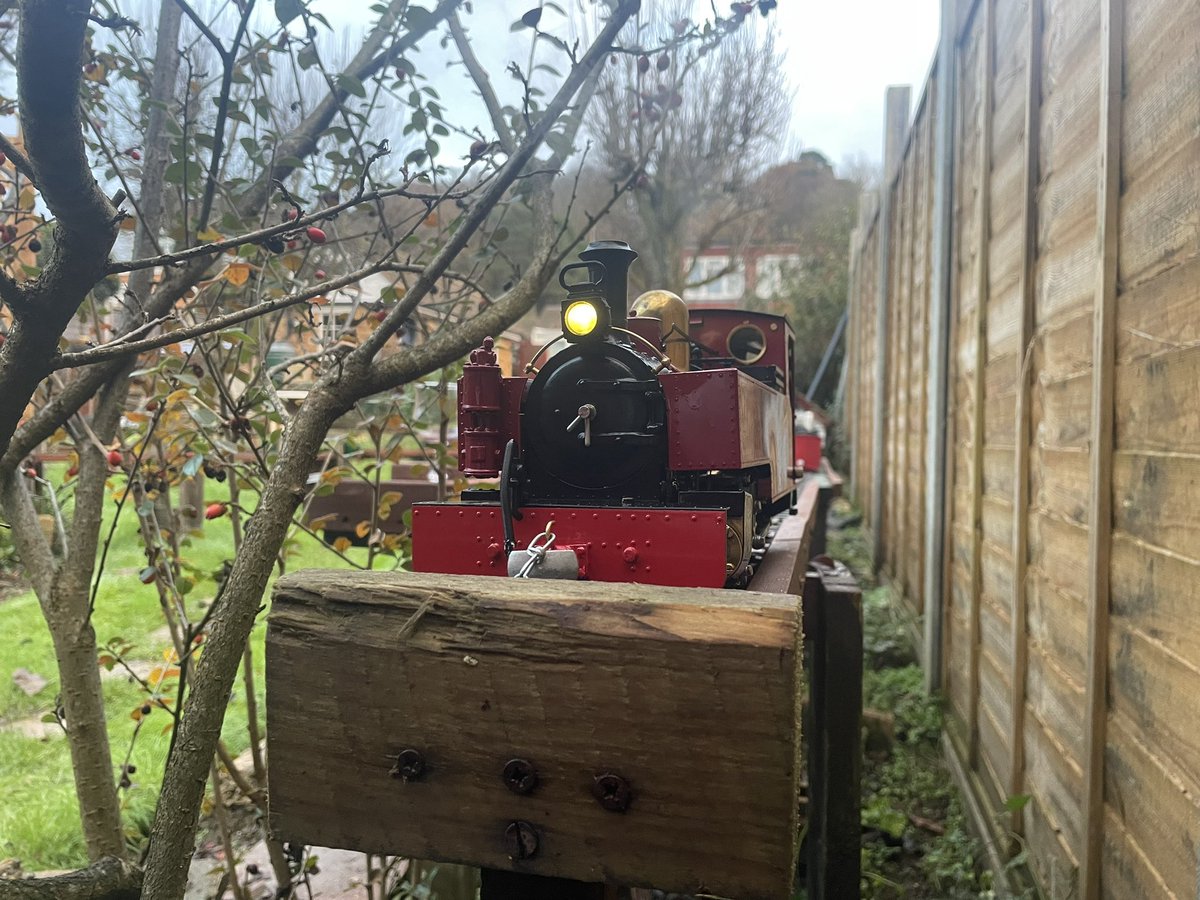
x,y
39,816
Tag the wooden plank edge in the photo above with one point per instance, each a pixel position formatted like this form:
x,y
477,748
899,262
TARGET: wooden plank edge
x,y
1021,463
987,65
1112,22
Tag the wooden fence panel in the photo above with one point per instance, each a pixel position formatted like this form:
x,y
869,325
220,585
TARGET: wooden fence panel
x,y
961,631
1152,758
1070,639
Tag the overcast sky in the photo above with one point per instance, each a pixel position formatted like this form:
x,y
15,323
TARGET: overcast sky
x,y
841,56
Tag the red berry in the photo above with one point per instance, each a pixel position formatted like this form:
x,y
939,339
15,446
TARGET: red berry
x,y
478,148
315,234
31,472
135,154
320,273
379,315
292,245
290,214
148,575
151,405
114,458
664,63
73,471
643,63
215,511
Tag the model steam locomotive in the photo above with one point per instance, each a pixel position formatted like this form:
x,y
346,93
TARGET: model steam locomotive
x,y
656,447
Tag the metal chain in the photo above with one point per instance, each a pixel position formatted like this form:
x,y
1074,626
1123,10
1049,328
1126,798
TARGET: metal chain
x,y
537,550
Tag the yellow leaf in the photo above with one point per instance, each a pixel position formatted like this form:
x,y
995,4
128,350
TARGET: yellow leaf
x,y
95,72
237,273
318,524
59,437
385,511
342,544
170,656
319,301
391,497
292,262
168,726
391,542
363,528
27,198
178,396
128,223
137,418
208,235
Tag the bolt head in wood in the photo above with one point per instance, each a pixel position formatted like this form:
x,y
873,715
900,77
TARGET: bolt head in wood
x,y
612,792
521,838
520,776
409,765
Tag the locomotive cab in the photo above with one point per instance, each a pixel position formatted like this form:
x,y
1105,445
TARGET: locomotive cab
x,y
659,448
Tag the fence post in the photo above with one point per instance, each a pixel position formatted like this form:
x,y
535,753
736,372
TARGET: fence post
x,y
939,347
1112,28
895,128
1021,499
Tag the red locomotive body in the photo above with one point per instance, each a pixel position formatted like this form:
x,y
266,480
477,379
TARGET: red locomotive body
x,y
658,446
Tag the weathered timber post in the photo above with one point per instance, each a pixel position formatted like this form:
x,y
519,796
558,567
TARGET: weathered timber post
x,y
833,650
571,730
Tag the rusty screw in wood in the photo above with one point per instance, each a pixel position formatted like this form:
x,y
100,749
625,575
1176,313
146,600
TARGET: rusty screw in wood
x,y
520,776
521,839
409,765
612,792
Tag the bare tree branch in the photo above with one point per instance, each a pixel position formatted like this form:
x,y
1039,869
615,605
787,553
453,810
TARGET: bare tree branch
x,y
18,158
483,83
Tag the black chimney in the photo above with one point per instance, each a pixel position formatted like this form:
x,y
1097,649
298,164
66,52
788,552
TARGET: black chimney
x,y
616,257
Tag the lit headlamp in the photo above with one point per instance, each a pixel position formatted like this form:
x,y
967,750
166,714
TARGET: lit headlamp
x,y
585,313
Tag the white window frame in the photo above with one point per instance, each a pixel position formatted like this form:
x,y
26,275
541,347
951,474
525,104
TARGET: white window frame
x,y
730,286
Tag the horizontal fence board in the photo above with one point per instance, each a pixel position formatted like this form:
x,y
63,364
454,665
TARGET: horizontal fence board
x,y
1159,811
1156,498
1155,591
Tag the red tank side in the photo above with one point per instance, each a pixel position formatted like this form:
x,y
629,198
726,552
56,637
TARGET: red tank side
x,y
489,407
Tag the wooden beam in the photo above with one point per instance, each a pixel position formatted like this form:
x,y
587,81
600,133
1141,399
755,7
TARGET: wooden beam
x,y
1025,339
1112,27
939,491
895,126
833,649
397,701
786,560
977,388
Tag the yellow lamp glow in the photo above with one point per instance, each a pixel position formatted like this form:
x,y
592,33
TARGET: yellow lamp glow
x,y
581,318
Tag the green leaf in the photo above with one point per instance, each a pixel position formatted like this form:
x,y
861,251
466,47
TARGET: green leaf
x,y
286,10
351,85
1017,802
307,57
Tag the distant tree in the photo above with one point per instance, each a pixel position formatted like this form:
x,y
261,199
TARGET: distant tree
x,y
708,124
805,204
